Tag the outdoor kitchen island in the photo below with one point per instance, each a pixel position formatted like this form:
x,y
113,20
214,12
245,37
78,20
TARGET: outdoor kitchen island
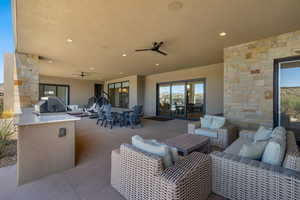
x,y
46,144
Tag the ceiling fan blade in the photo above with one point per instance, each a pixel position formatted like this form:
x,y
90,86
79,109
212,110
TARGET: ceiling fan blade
x,y
159,44
143,50
161,52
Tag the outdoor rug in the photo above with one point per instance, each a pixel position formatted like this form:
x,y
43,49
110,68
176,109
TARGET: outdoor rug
x,y
158,118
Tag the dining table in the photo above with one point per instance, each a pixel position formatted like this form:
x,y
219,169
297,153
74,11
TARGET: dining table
x,y
121,114
120,110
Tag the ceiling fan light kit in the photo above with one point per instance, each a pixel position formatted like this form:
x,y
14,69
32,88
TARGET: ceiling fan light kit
x,y
82,74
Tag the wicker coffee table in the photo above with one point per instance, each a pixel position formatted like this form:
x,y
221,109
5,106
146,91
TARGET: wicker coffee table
x,y
188,143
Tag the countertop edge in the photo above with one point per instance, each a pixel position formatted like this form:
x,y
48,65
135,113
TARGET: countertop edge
x,y
46,122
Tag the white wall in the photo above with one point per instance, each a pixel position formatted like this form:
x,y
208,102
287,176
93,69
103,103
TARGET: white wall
x,y
214,86
80,90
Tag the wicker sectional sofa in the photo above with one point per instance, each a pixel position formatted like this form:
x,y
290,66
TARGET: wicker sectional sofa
x,y
235,177
140,175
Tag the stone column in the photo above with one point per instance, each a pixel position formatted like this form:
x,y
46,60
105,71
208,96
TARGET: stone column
x,y
9,72
21,84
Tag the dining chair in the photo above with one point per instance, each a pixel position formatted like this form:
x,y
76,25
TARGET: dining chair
x,y
110,117
101,115
135,117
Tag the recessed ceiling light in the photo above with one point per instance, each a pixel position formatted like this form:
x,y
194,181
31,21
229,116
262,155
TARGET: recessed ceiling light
x,y
222,34
69,40
175,6
157,64
92,68
50,61
124,55
121,73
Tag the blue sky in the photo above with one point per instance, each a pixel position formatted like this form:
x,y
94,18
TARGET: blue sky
x,y
6,32
290,77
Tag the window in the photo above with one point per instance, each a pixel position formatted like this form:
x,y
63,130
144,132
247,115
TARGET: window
x,y
61,91
181,99
287,94
119,94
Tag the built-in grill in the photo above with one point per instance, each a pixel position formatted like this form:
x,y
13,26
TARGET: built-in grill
x,y
50,105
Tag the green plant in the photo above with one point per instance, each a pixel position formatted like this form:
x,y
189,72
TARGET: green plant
x,y
7,129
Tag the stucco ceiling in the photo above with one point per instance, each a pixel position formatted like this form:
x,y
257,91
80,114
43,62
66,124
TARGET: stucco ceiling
x,y
103,30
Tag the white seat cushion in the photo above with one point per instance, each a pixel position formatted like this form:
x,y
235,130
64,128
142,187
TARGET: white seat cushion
x,y
206,132
237,145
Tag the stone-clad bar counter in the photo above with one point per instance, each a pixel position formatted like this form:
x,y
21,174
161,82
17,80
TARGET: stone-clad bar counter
x,y
46,144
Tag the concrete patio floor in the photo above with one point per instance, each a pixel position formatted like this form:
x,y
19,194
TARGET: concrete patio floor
x,y
90,179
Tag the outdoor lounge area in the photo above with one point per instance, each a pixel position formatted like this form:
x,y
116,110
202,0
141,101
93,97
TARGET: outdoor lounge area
x,y
90,179
151,100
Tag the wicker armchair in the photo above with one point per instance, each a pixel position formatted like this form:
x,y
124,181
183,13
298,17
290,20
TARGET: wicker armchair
x,y
142,176
235,177
225,135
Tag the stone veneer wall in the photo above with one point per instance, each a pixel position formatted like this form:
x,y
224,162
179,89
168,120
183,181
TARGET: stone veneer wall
x,y
24,82
248,78
27,80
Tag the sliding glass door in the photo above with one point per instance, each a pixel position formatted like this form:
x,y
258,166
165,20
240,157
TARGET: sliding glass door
x,y
181,99
195,99
178,100
288,95
164,101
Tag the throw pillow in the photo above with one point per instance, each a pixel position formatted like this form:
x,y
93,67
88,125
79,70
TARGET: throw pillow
x,y
275,151
172,150
217,122
206,121
168,154
253,151
262,134
279,132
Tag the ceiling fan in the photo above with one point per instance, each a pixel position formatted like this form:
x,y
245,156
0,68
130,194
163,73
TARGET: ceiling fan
x,y
155,47
82,74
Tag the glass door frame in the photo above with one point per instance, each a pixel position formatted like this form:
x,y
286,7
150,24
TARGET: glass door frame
x,y
56,85
276,86
158,99
185,82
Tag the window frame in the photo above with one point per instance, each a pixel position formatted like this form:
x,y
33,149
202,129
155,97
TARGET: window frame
x,y
56,86
276,87
121,93
186,81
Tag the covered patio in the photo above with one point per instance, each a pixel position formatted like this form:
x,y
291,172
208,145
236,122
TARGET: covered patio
x,y
221,75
